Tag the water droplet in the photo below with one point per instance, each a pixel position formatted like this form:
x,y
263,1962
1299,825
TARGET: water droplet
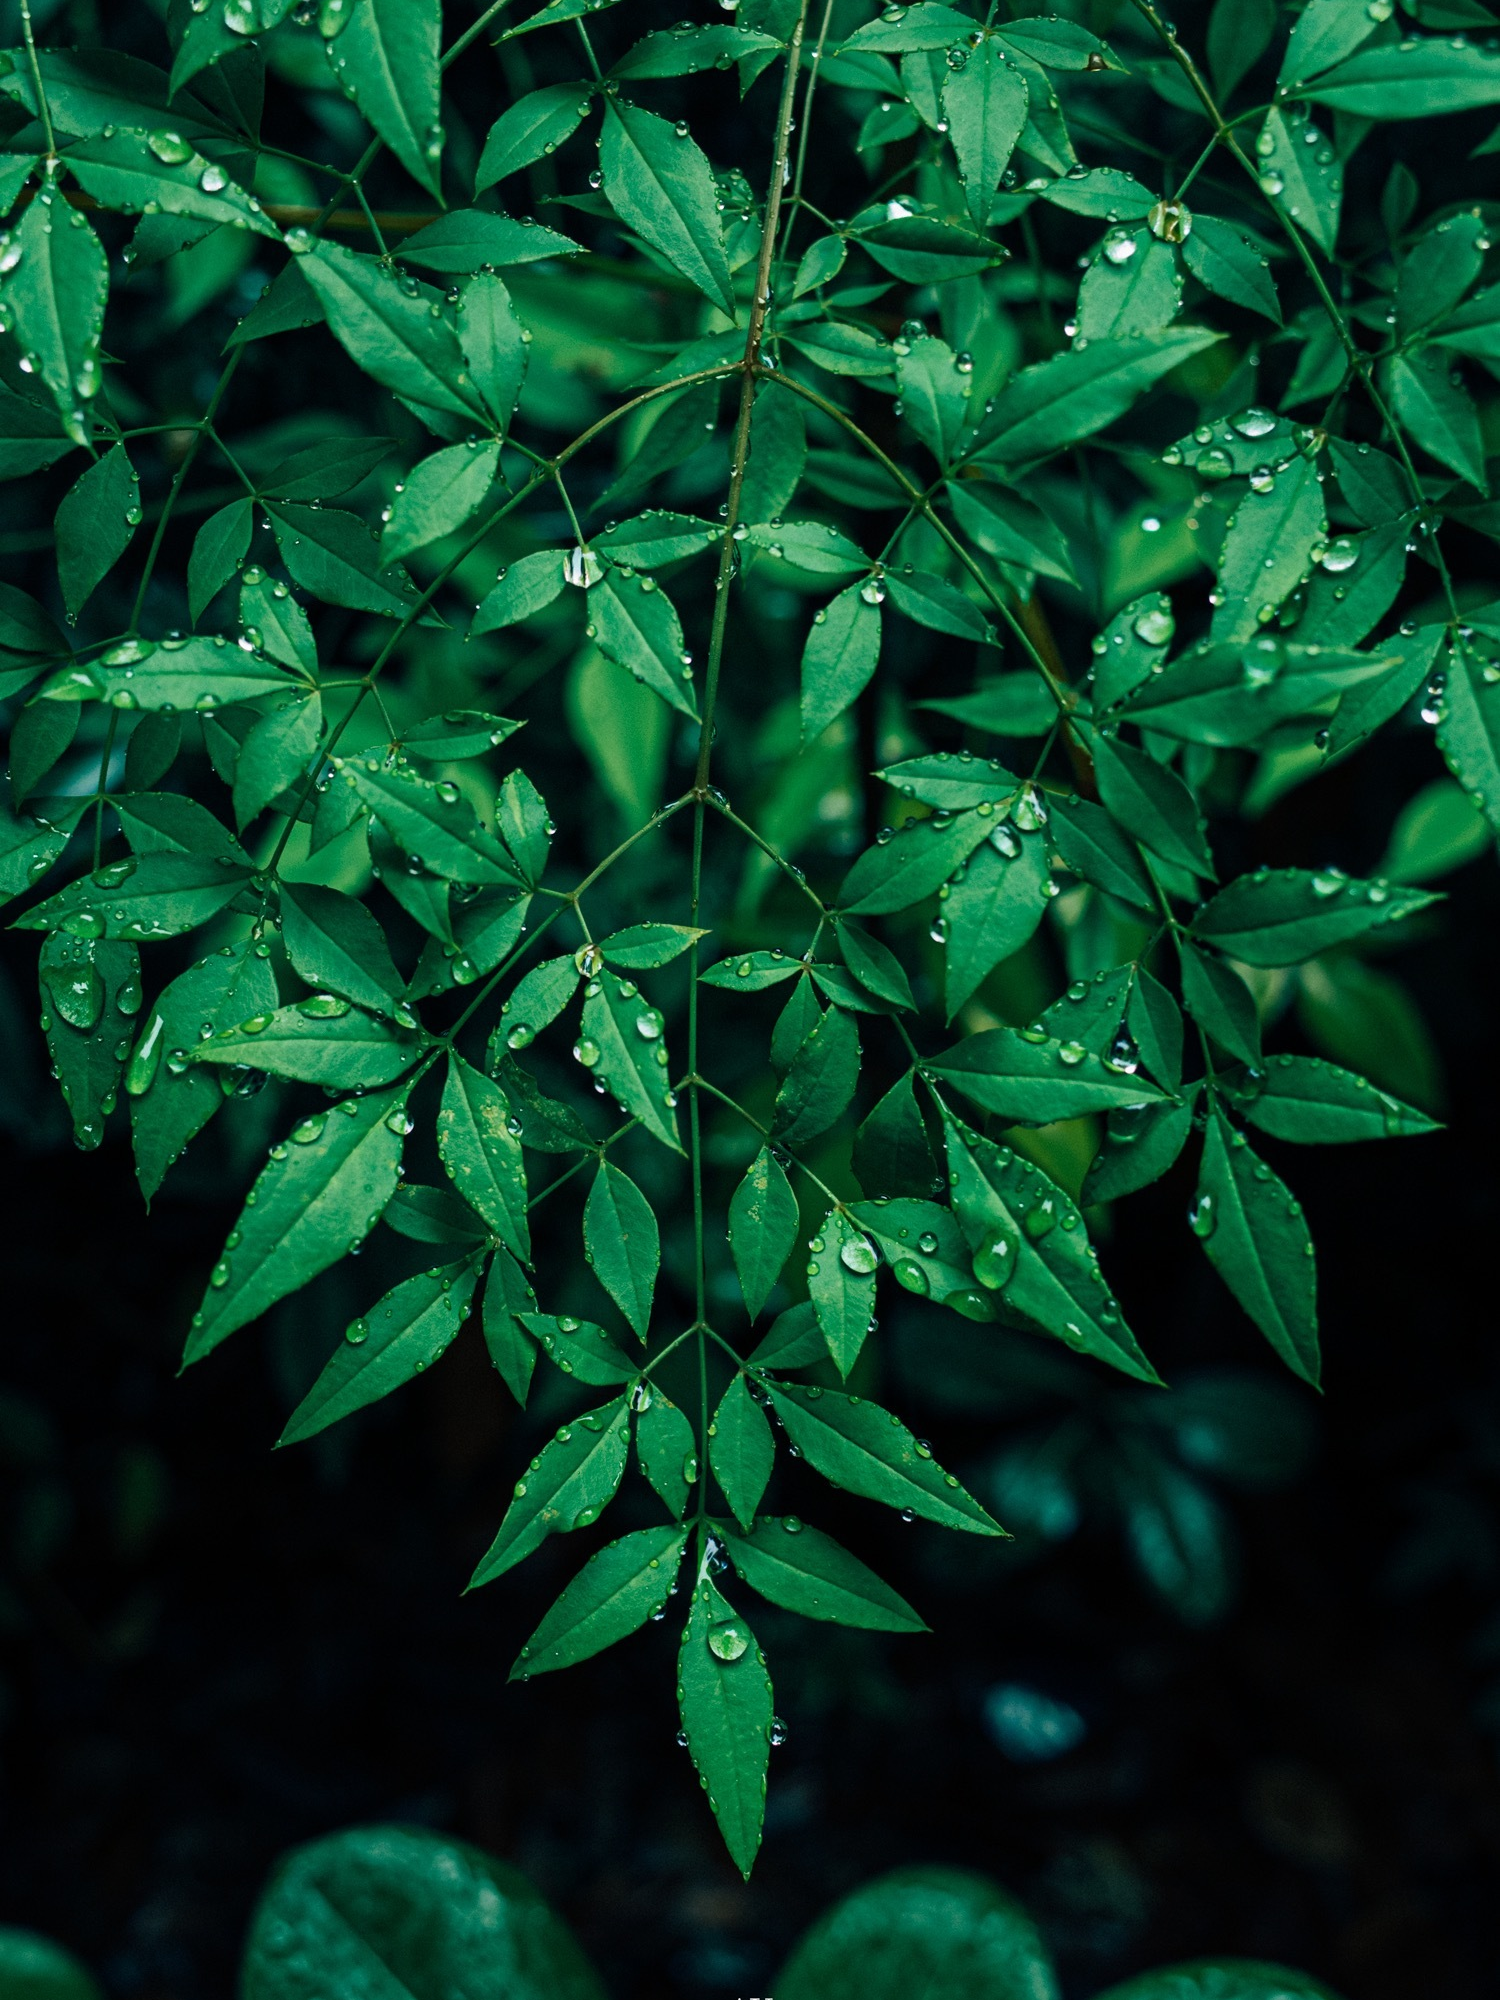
x,y
995,1259
729,1640
858,1254
1201,1216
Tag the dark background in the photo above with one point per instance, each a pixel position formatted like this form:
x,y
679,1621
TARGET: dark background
x,y
210,1652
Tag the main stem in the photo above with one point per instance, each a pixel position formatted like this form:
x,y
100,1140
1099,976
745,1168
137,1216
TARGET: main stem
x,y
760,303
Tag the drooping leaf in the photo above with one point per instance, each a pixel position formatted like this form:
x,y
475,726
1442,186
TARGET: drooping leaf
x,y
623,1046
1253,1230
405,1333
857,1445
762,1228
321,1192
482,1154
803,1570
622,1244
613,1595
658,181
741,1449
386,58
574,1480
724,1698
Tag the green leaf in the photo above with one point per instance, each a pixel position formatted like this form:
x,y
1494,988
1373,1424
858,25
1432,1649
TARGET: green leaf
x,y
686,51
1239,33
400,1910
471,240
1030,1245
622,1045
762,1228
1220,1002
1222,1979
571,1484
1344,604
913,864
1090,843
1132,286
1315,1103
1081,391
580,1348
666,1448
1221,259
1257,1240
1029,1079
33,1968
430,819
814,546
1268,549
927,1254
820,1082
1108,192
507,1295
659,183
644,947
655,538
613,1595
434,1215
127,174
275,755
321,1192
806,1571
153,897
941,778
27,850
843,349
794,1024
533,126
1150,801
940,606
622,1244
635,624
839,659
1439,413
319,1040
1437,271
1008,526
1438,830
456,733
409,1329
31,436
438,496
992,908
932,26
1417,78
87,985
1469,730
42,733
1301,174
985,102
875,966
285,632
741,1450
95,520
170,823
841,1283
386,59
54,288
724,1698
794,1341
1326,32
177,676
495,343
388,328
220,547
171,1100
753,972
1139,1147
1237,692
482,1155
892,1155
536,1000
1291,914
778,453
856,1444
520,591
954,1932
336,558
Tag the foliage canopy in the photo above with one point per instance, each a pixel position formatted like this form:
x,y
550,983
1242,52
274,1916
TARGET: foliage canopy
x,y
772,517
